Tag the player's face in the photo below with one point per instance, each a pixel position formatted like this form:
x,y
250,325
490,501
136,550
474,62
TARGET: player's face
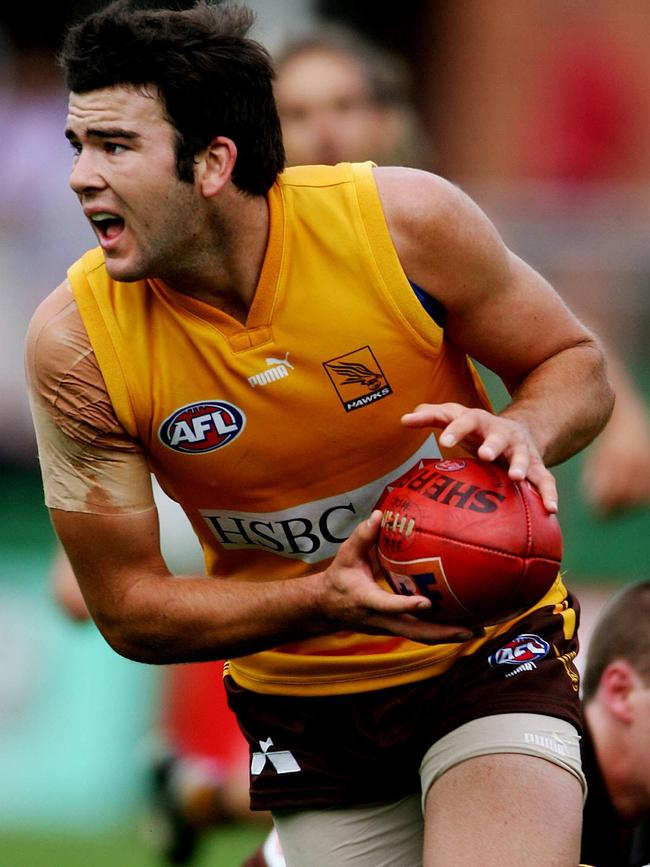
x,y
640,698
124,174
327,113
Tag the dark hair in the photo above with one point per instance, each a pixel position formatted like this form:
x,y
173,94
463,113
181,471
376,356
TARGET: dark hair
x,y
211,79
622,632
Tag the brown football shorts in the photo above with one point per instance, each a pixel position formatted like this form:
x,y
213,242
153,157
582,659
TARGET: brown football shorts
x,y
365,748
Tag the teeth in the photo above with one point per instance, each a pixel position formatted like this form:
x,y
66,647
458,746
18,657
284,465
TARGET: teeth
x,y
102,215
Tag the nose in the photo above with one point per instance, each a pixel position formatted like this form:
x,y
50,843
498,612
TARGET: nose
x,y
85,176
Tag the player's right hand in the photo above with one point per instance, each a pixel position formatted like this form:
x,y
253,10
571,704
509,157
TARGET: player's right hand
x,y
351,598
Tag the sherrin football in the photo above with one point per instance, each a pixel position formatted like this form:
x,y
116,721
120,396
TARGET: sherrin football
x,y
461,532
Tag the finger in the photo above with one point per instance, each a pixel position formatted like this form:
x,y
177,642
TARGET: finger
x,y
426,632
519,461
545,483
469,422
385,602
432,414
495,444
361,540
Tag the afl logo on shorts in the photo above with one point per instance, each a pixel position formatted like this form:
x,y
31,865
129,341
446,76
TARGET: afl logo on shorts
x,y
522,649
202,427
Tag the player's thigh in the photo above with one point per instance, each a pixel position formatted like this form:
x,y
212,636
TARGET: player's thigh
x,y
504,808
380,835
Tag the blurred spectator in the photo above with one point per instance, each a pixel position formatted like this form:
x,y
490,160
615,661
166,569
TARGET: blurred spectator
x,y
616,745
41,226
342,99
587,126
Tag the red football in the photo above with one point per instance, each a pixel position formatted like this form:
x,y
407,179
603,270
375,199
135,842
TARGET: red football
x,y
481,546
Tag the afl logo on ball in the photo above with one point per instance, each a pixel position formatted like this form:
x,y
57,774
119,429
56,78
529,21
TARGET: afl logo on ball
x,y
450,466
202,427
522,649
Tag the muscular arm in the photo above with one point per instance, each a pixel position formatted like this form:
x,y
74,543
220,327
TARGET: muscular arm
x,y
147,614
505,315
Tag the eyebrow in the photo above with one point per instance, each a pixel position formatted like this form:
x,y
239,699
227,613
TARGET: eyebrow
x,y
115,132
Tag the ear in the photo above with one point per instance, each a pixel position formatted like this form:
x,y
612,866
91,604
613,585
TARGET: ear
x,y
617,683
214,166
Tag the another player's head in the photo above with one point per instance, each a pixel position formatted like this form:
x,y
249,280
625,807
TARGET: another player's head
x,y
622,634
616,693
341,99
210,78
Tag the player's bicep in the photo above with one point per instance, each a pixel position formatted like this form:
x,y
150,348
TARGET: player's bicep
x,y
497,308
514,325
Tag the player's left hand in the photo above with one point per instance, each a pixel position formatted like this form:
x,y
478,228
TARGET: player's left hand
x,y
491,437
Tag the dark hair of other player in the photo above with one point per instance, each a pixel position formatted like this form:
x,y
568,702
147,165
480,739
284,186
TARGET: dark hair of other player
x,y
622,633
223,86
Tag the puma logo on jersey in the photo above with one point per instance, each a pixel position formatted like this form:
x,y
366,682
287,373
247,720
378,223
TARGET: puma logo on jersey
x,y
277,368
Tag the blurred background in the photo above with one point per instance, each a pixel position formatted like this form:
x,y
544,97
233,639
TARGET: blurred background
x,y
540,109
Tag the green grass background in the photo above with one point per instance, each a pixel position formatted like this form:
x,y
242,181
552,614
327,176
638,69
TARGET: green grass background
x,y
227,847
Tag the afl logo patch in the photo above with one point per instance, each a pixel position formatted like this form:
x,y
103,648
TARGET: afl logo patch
x,y
202,427
522,649
450,466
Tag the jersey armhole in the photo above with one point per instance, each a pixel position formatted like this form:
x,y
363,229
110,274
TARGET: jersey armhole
x,y
107,357
423,314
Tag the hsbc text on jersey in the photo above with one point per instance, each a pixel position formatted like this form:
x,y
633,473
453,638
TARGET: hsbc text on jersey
x,y
202,427
307,531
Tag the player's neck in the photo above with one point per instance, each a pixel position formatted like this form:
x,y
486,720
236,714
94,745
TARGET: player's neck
x,y
227,267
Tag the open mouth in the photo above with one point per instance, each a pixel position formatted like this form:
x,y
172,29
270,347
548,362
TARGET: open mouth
x,y
109,226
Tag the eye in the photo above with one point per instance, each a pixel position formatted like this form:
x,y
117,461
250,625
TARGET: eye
x,y
114,148
76,147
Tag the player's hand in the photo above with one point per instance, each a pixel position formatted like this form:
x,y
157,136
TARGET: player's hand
x,y
616,472
491,437
351,599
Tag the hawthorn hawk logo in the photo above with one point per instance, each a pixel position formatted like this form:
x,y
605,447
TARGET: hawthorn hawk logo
x,y
357,378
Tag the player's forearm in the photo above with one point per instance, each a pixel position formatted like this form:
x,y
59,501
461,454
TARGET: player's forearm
x,y
565,402
169,619
148,615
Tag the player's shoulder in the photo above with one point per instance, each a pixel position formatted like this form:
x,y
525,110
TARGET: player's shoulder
x,y
442,237
416,196
56,337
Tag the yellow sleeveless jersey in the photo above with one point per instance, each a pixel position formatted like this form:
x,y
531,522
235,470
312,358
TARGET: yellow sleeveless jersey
x,y
278,436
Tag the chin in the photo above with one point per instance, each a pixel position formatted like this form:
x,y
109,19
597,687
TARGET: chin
x,y
124,272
